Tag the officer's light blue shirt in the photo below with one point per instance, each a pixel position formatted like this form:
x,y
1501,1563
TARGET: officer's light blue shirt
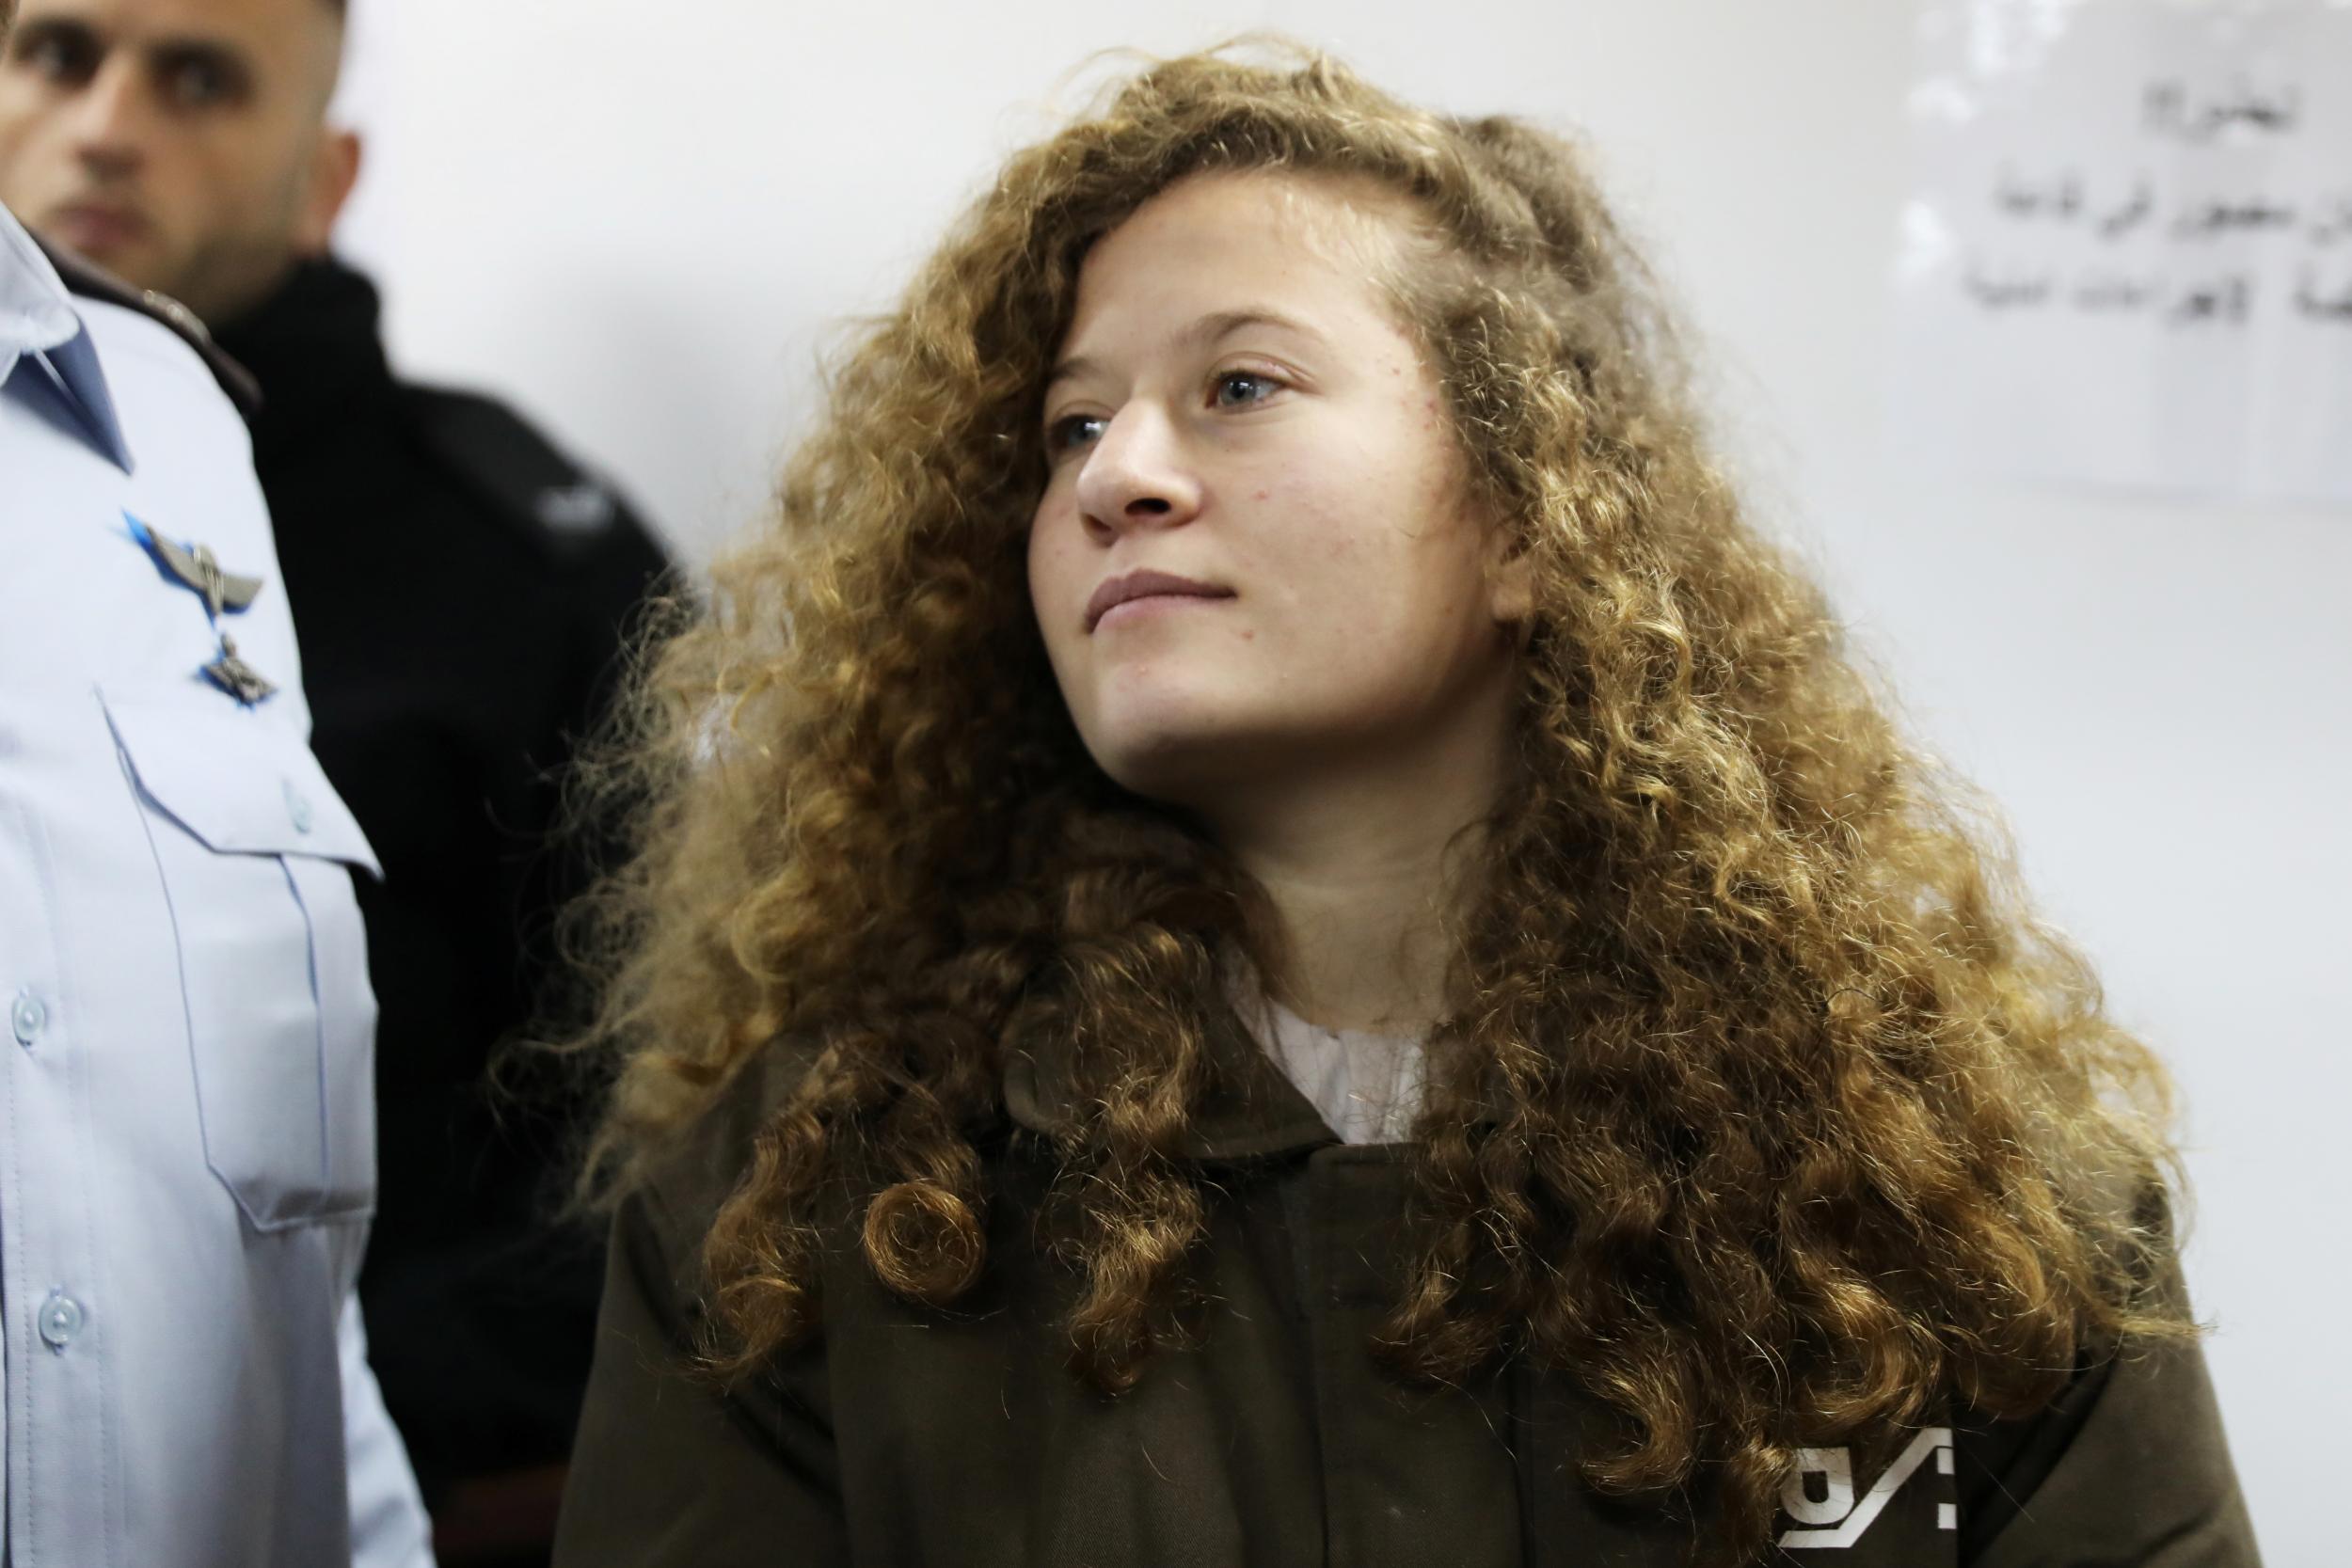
x,y
188,1157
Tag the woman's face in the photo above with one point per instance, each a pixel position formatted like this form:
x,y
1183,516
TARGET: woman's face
x,y
1255,553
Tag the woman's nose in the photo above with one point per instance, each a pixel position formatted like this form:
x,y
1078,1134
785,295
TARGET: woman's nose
x,y
1138,475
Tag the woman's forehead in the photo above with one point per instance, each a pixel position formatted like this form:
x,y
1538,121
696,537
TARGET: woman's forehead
x,y
1343,219
1290,250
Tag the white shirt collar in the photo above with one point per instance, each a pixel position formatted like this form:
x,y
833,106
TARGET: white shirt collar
x,y
35,313
38,321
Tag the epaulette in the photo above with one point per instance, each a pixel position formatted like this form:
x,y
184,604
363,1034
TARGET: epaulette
x,y
95,282
567,509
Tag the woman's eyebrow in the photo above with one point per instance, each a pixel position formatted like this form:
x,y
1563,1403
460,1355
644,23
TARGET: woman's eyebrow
x,y
1203,332
1220,324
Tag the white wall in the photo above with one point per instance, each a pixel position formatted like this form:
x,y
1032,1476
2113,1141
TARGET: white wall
x,y
643,221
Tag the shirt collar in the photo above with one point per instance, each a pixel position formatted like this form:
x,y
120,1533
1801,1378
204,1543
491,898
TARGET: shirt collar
x,y
1252,1112
35,313
37,320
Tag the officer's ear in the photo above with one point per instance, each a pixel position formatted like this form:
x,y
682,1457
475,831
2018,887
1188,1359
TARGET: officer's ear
x,y
334,170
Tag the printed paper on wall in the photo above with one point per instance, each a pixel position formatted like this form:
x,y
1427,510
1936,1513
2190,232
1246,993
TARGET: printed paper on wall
x,y
2127,259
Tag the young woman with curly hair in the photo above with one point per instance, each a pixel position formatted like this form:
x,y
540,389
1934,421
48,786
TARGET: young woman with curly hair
x,y
1268,933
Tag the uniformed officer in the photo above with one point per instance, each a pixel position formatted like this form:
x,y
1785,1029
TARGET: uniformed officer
x,y
459,589
187,1159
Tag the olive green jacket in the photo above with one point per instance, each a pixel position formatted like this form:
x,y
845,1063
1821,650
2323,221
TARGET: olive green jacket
x,y
907,1436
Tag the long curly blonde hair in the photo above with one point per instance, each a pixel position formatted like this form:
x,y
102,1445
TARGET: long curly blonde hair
x,y
1769,1117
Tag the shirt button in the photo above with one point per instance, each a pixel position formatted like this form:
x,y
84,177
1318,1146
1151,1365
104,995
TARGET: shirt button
x,y
61,1320
299,808
28,1018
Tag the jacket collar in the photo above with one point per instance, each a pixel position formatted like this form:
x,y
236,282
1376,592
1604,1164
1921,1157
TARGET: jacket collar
x,y
1254,1113
315,345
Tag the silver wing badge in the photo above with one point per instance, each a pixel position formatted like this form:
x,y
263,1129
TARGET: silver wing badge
x,y
224,592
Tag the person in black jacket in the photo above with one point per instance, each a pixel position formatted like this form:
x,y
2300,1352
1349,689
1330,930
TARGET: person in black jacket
x,y
461,593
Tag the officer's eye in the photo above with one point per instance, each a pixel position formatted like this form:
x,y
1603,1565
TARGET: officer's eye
x,y
60,53
1241,388
201,78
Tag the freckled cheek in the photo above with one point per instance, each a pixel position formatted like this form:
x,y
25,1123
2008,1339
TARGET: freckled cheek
x,y
1051,571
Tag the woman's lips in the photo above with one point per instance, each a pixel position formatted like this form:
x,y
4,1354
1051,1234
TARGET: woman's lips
x,y
1133,592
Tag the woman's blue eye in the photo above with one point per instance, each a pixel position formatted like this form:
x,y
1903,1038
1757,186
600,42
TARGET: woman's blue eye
x,y
1072,431
1240,389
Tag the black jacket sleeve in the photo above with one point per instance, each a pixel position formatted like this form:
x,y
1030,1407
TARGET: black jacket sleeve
x,y
664,1463
2129,1468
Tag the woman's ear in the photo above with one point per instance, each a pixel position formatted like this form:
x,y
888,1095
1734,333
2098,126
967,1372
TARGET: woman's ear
x,y
1510,575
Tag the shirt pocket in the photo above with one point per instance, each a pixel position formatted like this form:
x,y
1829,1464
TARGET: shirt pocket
x,y
255,851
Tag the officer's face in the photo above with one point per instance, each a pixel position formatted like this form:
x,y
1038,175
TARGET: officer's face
x,y
180,143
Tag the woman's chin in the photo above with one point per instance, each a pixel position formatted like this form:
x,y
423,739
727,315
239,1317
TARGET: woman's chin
x,y
1186,765
1168,772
